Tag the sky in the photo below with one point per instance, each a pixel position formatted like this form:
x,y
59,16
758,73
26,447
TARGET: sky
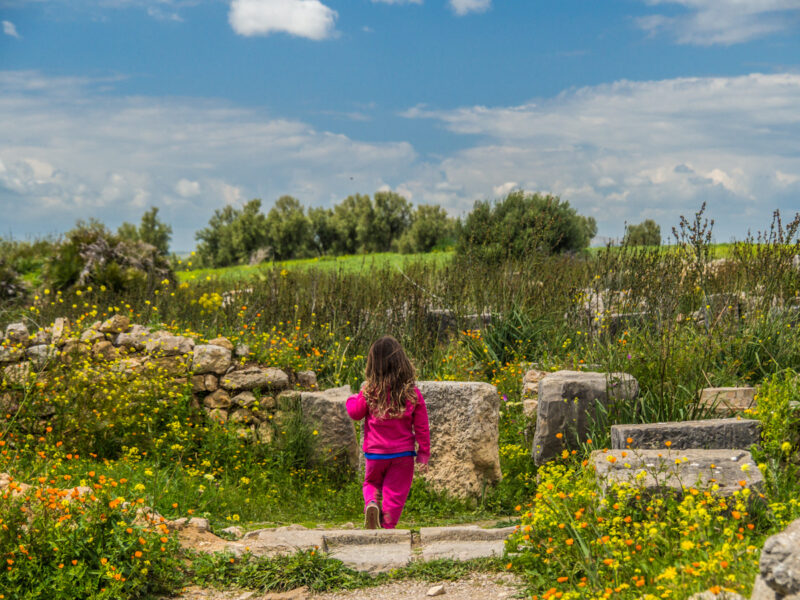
x,y
628,109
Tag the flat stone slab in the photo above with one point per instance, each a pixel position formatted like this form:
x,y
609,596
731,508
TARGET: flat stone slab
x,y
677,470
374,558
710,434
463,533
282,540
462,550
729,400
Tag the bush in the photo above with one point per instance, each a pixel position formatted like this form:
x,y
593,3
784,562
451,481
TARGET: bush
x,y
522,224
430,228
151,231
11,285
91,255
646,233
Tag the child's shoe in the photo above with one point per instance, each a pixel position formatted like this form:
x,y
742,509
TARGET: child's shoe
x,y
372,516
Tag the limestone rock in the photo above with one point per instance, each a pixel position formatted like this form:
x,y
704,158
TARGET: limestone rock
x,y
18,374
245,399
436,590
116,324
210,359
223,342
568,403
463,420
326,413
372,550
11,353
307,379
129,366
708,434
211,383
265,433
217,415
780,563
198,383
174,366
219,399
252,378
169,345
90,336
41,355
234,531
60,330
104,350
42,337
530,382
242,350
135,339
722,595
660,470
241,415
73,350
729,400
17,333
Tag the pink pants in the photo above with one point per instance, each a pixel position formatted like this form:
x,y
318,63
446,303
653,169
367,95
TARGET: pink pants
x,y
391,478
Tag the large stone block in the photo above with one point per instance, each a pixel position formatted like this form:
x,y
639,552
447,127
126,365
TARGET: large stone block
x,y
116,324
709,434
252,378
723,471
729,400
211,359
779,577
169,345
135,339
336,435
569,402
464,436
17,333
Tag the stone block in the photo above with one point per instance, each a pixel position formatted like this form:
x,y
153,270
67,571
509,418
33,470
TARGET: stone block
x,y
211,382
464,419
326,413
219,399
657,471
60,331
210,359
222,341
252,378
779,567
569,402
116,324
135,339
169,345
370,551
729,400
17,333
90,336
11,353
41,355
18,374
307,379
530,382
709,434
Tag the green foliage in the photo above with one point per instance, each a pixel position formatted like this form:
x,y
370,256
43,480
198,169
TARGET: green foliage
x,y
646,233
11,286
431,227
523,224
233,235
289,230
151,231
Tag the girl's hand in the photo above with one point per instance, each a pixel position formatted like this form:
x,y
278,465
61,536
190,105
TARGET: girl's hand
x,y
422,468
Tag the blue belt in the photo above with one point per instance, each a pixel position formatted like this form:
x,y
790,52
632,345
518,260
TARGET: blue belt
x,y
373,456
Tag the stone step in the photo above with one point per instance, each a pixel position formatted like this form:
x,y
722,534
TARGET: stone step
x,y
728,400
709,434
462,543
660,470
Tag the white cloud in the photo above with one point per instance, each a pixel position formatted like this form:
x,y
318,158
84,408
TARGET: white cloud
x,y
709,22
67,153
10,29
622,150
302,18
462,7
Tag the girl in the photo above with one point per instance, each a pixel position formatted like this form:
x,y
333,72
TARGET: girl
x,y
395,418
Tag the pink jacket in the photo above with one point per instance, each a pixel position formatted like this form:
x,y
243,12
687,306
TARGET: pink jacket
x,y
390,436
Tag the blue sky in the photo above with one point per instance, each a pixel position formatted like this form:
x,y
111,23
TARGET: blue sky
x,y
629,109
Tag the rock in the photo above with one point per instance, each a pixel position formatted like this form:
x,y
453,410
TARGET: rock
x,y
169,345
530,382
265,433
464,420
436,590
9,354
74,350
41,355
307,379
198,523
211,359
710,434
174,366
780,565
42,337
116,324
660,470
104,350
135,339
568,403
198,383
18,374
241,415
728,400
326,413
17,333
283,540
90,336
128,366
234,531
223,342
245,399
370,550
218,399
60,331
721,595
529,408
217,415
252,378
211,383
462,543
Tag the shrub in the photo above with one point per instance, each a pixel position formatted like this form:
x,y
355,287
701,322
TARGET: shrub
x,y
11,285
522,224
151,231
646,233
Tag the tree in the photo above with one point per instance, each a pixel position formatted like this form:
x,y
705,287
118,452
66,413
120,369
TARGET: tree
x,y
646,233
324,236
233,235
151,231
523,223
289,229
430,227
392,217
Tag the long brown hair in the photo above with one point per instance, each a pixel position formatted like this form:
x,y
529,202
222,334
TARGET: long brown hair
x,y
389,388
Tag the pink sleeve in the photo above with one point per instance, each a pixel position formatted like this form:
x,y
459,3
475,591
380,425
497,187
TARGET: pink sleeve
x,y
422,430
357,406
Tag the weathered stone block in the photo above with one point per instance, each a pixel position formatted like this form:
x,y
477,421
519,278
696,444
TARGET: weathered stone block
x,y
530,383
222,341
336,434
11,353
219,399
18,374
90,336
17,333
709,434
169,345
307,379
659,470
779,568
211,382
729,400
115,324
211,359
135,339
60,331
463,420
252,378
569,402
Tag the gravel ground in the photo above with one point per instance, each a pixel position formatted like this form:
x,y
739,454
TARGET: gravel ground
x,y
479,586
